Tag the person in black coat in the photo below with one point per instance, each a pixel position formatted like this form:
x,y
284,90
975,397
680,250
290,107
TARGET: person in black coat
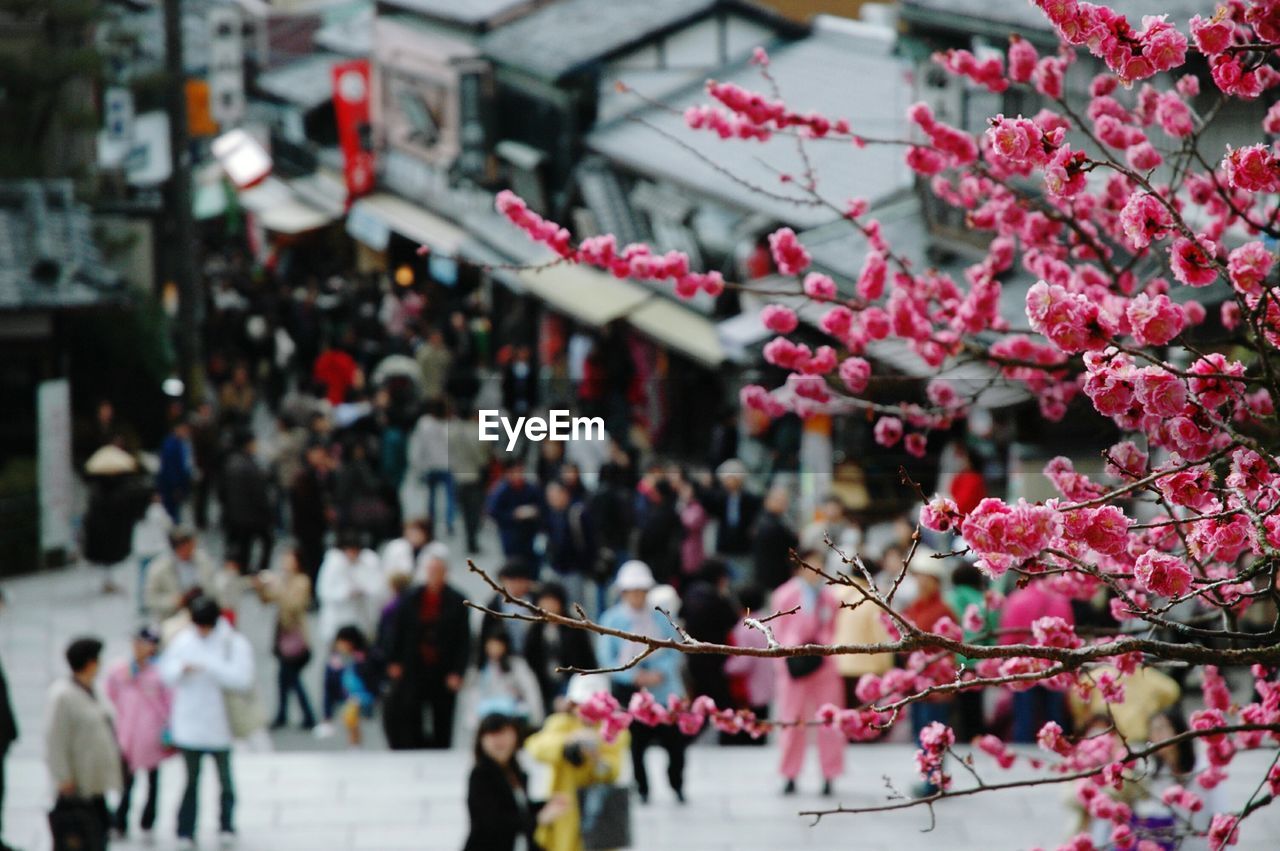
x,y
775,539
427,651
658,544
549,647
8,735
735,509
247,513
310,510
498,792
709,615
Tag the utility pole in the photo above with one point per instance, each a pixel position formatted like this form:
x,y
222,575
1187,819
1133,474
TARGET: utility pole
x,y
177,226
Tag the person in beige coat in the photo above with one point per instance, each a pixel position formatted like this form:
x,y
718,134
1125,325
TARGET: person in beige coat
x,y
177,576
80,746
859,624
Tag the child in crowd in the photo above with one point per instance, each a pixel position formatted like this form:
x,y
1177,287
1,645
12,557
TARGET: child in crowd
x,y
357,680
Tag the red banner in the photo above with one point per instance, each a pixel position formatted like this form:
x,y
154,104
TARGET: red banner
x,y
351,95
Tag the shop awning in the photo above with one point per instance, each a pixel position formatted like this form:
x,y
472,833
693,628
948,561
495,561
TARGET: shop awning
x,y
680,329
405,218
588,295
278,209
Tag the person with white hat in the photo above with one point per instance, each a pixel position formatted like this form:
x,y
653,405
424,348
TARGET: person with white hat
x,y
661,673
578,756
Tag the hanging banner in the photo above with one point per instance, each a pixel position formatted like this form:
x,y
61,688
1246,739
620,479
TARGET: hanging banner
x,y
351,108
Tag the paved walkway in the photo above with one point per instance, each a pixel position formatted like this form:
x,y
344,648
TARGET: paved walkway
x,y
312,795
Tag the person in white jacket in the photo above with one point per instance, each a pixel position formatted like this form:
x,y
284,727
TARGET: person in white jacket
x,y
349,588
407,554
201,664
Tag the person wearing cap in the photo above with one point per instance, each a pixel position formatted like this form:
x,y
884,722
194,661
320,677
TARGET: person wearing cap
x,y
925,611
578,756
142,702
427,649
735,509
201,664
80,748
172,578
517,581
802,692
661,673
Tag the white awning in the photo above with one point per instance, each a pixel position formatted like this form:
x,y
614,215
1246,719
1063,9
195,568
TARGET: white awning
x,y
405,218
278,209
679,328
589,295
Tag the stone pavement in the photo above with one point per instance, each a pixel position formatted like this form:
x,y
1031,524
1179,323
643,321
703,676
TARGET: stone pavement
x,y
315,795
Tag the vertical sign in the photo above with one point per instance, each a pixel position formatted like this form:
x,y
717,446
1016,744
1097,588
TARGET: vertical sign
x,y
475,99
53,412
351,108
226,65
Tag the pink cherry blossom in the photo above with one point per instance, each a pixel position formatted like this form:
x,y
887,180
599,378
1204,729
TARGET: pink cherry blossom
x,y
779,319
1162,574
788,254
888,431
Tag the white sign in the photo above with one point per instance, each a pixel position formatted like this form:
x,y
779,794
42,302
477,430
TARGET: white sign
x,y
226,66
53,412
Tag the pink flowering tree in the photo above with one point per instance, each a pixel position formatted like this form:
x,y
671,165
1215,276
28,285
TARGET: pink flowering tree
x,y
1113,205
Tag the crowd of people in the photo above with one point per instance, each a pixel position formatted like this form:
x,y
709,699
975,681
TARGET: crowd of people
x,y
341,518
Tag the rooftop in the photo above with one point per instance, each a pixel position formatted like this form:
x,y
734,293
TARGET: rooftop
x,y
812,74
48,259
478,14
564,36
307,83
984,16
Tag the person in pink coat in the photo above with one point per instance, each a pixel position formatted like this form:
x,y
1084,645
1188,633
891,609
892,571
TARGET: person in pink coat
x,y
141,701
799,696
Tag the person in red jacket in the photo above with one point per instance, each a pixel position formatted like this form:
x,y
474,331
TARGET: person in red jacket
x,y
968,488
336,370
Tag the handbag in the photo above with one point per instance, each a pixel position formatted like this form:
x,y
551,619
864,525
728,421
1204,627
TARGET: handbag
x,y
77,825
291,645
800,667
605,812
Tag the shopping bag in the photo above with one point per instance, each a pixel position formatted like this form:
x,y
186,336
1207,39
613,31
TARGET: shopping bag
x,y
605,812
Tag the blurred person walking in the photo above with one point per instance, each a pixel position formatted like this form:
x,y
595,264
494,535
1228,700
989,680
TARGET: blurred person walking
x,y
175,577
661,673
81,752
247,515
427,651
290,590
468,462
579,758
775,540
807,682
503,817
142,703
430,463
550,648
516,506
202,664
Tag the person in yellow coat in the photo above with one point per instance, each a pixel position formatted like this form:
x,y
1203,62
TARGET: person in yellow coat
x,y
578,757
